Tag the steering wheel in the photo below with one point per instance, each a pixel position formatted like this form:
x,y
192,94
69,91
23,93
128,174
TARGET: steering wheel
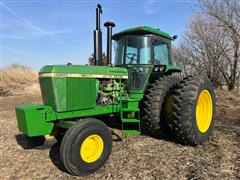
x,y
157,61
132,57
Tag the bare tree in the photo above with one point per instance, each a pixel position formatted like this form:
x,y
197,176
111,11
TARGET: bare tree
x,y
226,14
211,44
201,51
182,59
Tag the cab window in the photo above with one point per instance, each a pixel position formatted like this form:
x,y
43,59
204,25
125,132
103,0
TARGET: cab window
x,y
137,50
161,52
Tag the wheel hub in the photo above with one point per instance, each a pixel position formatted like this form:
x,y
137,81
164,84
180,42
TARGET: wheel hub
x,y
204,111
92,148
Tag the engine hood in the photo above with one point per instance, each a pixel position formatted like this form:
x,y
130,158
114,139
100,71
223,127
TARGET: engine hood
x,y
82,71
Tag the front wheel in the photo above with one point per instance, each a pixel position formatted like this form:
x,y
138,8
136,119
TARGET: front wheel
x,y
86,147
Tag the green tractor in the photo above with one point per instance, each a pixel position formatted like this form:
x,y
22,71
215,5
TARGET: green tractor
x,y
141,92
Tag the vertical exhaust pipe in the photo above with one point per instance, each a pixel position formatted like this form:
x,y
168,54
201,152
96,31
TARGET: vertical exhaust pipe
x,y
98,38
109,26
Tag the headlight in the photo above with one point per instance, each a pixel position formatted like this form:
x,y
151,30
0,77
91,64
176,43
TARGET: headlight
x,y
161,68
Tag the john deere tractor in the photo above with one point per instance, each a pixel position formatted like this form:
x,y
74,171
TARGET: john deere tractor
x,y
140,91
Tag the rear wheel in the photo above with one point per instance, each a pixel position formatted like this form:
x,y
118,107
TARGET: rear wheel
x,y
193,110
155,106
86,147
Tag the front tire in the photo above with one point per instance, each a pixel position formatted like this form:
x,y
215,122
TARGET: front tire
x,y
86,147
193,110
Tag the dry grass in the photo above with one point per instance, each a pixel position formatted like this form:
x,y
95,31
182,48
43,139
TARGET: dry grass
x,y
19,74
16,78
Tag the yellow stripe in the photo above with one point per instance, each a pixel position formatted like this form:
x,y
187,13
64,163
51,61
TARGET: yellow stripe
x,y
81,75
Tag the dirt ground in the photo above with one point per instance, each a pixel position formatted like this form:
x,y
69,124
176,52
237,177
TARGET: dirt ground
x,y
138,157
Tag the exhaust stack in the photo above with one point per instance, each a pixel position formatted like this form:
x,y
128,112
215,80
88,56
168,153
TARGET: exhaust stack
x,y
98,38
109,26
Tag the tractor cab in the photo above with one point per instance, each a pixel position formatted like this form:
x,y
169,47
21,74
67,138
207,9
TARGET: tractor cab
x,y
144,51
142,45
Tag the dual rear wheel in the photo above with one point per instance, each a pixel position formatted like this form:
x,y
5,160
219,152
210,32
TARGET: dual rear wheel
x,y
184,108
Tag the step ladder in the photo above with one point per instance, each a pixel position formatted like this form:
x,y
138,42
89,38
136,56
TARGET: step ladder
x,y
125,112
130,118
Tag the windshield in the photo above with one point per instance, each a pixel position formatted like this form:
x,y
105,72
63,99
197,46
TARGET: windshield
x,y
142,50
138,50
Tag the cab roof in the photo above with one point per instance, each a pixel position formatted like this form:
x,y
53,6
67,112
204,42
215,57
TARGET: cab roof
x,y
142,30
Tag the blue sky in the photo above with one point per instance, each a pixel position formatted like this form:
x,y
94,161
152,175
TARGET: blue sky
x,y
35,33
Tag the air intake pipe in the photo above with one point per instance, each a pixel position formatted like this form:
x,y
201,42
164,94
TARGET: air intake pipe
x,y
98,38
109,26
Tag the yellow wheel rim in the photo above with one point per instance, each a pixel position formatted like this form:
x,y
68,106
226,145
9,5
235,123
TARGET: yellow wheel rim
x,y
204,111
92,148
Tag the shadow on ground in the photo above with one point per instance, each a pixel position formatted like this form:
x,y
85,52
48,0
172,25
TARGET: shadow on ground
x,y
33,143
37,143
54,155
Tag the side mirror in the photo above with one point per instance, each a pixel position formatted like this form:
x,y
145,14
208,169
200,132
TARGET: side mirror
x,y
175,37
